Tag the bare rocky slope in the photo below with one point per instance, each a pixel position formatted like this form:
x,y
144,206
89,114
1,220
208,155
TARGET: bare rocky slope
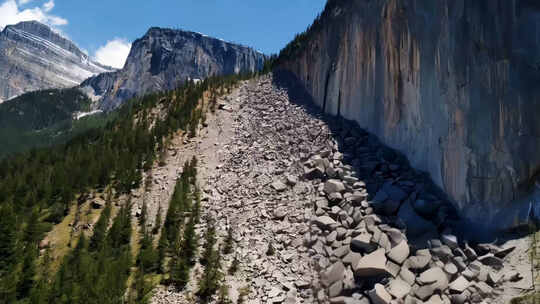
x,y
451,84
34,57
164,58
347,217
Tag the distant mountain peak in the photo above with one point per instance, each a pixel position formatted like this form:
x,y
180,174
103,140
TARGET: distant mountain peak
x,y
34,56
164,58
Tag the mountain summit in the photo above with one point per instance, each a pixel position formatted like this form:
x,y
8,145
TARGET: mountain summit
x,y
165,58
34,57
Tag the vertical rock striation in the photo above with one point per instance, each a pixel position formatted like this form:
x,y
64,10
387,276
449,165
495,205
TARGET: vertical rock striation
x,y
34,57
164,58
453,84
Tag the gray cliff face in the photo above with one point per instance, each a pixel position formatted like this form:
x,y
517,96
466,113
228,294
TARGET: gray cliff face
x,y
164,59
454,84
34,57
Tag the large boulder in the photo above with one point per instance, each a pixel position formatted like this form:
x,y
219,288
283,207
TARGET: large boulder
x,y
324,222
371,265
399,288
333,186
400,252
379,295
333,274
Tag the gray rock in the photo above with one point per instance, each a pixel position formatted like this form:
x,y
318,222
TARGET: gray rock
x,y
291,180
491,260
362,242
393,268
420,260
333,185
395,236
450,240
324,222
435,299
458,298
459,285
434,276
352,258
444,252
426,291
469,252
406,275
400,252
280,213
399,288
313,173
335,197
494,278
450,268
373,264
503,252
335,289
379,295
330,238
279,186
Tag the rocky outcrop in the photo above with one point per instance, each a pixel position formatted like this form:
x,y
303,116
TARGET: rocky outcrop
x,y
34,57
164,59
452,84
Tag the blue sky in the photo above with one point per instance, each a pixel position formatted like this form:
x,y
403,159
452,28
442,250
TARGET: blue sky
x,y
109,26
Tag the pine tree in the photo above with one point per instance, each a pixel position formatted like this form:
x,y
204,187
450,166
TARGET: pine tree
x,y
210,240
211,277
8,238
234,265
148,257
100,229
189,242
32,232
28,272
179,268
157,223
144,214
163,244
228,242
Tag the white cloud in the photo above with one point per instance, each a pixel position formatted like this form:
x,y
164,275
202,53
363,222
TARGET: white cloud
x,y
114,53
48,6
10,13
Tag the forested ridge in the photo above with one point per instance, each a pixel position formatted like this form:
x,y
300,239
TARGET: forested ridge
x,y
44,118
38,188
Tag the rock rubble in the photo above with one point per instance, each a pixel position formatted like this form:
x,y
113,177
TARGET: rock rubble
x,y
350,221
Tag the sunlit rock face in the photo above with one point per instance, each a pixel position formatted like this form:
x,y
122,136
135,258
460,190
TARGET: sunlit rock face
x,y
164,59
34,57
454,84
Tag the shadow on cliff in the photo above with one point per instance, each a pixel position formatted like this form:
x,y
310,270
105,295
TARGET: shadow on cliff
x,y
426,212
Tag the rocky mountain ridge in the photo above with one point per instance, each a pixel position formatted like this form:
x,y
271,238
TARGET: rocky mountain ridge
x,y
165,58
451,84
35,57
